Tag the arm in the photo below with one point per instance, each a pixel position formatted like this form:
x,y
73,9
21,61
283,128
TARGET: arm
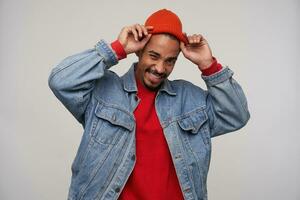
x,y
226,104
72,81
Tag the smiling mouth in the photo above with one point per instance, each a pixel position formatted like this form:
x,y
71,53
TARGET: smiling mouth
x,y
155,73
154,77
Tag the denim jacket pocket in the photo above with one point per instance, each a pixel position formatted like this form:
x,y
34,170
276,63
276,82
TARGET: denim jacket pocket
x,y
194,123
111,123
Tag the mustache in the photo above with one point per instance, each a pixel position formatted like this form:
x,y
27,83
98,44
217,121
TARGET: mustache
x,y
156,73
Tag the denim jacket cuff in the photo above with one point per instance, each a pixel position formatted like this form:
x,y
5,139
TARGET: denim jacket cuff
x,y
218,77
105,51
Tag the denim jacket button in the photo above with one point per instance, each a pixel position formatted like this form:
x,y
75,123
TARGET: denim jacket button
x,y
133,157
117,190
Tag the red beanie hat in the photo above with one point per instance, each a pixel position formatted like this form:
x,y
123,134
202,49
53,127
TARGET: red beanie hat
x,y
165,21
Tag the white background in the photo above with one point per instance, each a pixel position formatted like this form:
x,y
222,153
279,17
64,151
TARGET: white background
x,y
258,40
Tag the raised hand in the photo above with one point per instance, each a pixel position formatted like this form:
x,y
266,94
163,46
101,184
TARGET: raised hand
x,y
133,38
197,51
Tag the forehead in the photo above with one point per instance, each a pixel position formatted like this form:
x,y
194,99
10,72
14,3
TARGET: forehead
x,y
163,44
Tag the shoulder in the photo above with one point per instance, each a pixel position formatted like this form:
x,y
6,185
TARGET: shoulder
x,y
188,92
110,81
181,85
188,95
110,76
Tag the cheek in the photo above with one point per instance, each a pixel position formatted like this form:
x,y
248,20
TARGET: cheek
x,y
169,69
147,64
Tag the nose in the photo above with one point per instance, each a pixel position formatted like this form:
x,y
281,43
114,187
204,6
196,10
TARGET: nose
x,y
160,68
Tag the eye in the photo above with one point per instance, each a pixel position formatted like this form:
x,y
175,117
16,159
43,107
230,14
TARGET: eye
x,y
171,61
153,57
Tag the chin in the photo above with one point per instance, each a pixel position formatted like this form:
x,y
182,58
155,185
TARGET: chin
x,y
153,87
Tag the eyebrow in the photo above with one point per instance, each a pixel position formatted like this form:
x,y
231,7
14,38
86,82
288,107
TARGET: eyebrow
x,y
151,51
157,54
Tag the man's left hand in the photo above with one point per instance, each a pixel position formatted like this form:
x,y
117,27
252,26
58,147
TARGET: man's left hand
x,y
197,51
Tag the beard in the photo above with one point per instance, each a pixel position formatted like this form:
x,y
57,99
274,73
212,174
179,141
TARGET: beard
x,y
156,73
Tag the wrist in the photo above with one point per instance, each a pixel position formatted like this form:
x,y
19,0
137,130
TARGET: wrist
x,y
119,49
212,68
205,64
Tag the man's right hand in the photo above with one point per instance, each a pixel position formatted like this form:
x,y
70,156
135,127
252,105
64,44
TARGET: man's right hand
x,y
133,38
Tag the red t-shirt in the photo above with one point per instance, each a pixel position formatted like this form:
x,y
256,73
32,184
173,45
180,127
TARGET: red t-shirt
x,y
154,175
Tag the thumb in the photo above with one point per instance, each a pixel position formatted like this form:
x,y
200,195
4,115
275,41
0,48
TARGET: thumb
x,y
182,47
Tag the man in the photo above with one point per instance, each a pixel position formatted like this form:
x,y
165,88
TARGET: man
x,y
146,137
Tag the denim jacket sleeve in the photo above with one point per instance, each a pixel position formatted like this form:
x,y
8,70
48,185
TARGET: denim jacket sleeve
x,y
73,80
226,103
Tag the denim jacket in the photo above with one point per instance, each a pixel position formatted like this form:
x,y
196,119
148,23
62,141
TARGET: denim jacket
x,y
104,103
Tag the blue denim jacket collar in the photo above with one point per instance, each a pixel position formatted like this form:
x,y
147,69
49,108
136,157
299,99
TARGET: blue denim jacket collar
x,y
129,82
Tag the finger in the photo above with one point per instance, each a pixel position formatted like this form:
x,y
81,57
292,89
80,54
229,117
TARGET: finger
x,y
146,39
202,39
190,39
199,38
134,32
194,38
139,30
144,30
149,29
125,32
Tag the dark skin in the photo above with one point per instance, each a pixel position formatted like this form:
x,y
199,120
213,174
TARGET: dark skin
x,y
158,53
